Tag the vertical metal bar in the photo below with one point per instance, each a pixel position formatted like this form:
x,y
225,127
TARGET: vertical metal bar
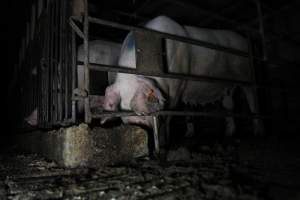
x,y
33,20
68,62
50,61
261,28
42,45
64,47
46,65
57,65
253,73
44,23
61,65
155,134
74,73
87,116
40,8
27,34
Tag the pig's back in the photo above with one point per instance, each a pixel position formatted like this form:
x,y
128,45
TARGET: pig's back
x,y
204,61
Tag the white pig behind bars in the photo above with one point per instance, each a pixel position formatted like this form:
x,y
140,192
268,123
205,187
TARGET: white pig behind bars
x,y
149,94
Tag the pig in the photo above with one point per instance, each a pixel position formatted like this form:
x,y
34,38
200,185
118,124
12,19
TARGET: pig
x,y
101,52
145,95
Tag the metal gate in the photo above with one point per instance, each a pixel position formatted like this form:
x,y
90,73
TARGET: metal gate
x,y
46,59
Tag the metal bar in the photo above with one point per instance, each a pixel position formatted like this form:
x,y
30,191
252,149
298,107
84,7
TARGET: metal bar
x,y
155,134
51,63
40,8
253,73
47,74
177,38
261,28
76,28
66,57
69,63
56,63
87,111
111,68
185,113
167,36
61,72
33,20
74,73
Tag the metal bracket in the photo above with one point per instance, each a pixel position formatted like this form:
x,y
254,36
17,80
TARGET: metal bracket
x,y
148,52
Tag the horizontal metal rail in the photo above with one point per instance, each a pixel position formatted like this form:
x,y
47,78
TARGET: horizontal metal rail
x,y
102,67
180,38
165,35
184,113
119,69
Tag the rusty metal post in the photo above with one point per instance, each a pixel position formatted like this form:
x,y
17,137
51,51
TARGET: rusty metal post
x,y
87,112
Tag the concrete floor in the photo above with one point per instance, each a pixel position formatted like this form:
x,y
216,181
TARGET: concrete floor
x,y
245,169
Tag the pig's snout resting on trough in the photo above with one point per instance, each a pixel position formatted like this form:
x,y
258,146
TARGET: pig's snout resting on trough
x,y
150,94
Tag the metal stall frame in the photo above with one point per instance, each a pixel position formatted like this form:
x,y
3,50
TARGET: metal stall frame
x,y
144,68
46,49
59,107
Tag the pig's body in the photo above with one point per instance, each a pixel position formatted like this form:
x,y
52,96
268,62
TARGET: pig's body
x,y
150,94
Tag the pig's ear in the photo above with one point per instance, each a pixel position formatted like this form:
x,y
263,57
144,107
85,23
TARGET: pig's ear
x,y
147,98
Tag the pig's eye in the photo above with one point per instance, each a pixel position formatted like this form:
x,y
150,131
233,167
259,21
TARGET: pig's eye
x,y
110,105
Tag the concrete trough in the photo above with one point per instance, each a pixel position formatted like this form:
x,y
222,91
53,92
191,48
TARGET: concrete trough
x,y
81,146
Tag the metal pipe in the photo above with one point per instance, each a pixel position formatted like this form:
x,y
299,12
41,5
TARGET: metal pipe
x,y
87,111
176,37
66,58
74,70
76,28
112,68
184,113
261,28
166,35
50,59
253,73
62,67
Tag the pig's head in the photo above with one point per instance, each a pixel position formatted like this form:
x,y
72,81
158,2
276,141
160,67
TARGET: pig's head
x,y
147,97
112,98
111,101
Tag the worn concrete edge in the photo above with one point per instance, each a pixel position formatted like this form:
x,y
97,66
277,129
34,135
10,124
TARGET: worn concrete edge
x,y
66,146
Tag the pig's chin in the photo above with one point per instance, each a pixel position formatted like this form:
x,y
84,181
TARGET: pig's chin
x,y
138,120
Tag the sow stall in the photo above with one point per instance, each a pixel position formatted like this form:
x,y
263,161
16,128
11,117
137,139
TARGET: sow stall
x,y
48,59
